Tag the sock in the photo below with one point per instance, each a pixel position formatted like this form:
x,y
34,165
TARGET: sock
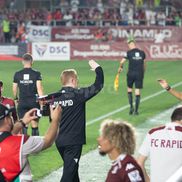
x,y
24,130
137,102
35,131
130,99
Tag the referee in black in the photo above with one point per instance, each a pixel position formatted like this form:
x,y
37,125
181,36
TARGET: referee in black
x,y
28,84
72,134
135,74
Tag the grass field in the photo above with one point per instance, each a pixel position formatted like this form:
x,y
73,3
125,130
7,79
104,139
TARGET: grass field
x,y
108,100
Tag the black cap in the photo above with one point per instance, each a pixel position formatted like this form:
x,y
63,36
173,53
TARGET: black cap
x,y
5,111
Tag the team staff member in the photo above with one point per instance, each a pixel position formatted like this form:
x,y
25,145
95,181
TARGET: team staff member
x,y
8,102
117,139
135,75
14,163
164,146
166,86
71,135
28,83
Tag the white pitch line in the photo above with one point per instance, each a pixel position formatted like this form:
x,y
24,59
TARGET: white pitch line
x,y
127,106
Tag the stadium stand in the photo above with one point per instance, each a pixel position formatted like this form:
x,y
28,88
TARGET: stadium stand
x,y
88,13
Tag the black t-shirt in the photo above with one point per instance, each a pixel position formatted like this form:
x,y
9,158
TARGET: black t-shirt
x,y
26,80
136,60
73,101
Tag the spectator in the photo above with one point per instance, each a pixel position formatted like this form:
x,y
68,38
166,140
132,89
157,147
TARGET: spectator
x,y
166,86
74,5
27,82
12,5
6,29
161,18
117,139
71,136
68,18
178,19
58,15
123,7
20,32
100,6
49,18
14,163
141,17
8,102
64,4
163,145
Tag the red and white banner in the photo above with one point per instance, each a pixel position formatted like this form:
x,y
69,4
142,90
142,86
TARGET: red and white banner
x,y
155,34
115,50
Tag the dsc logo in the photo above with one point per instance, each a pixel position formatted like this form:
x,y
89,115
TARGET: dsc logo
x,y
58,49
40,32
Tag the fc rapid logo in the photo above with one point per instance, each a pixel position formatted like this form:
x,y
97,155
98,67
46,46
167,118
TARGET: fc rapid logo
x,y
41,49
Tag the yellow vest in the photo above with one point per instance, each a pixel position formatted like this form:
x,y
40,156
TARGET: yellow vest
x,y
6,27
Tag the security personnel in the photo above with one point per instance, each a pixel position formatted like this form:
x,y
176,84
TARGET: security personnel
x,y
6,30
28,83
72,135
135,75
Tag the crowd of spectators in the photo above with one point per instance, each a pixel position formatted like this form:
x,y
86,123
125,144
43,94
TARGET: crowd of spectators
x,y
90,13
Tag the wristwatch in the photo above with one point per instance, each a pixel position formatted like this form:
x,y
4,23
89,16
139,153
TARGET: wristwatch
x,y
23,124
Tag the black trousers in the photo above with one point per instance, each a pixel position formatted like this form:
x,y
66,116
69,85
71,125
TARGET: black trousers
x,y
71,157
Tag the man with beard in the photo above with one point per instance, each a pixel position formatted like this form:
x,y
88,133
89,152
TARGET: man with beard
x,y
117,139
15,149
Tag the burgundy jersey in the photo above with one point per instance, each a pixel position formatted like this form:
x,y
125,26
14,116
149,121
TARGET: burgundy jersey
x,y
125,169
9,103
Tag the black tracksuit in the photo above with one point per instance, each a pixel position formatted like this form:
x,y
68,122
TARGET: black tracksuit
x,y
72,135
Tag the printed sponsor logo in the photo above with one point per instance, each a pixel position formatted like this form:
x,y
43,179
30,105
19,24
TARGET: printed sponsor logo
x,y
165,51
51,51
41,49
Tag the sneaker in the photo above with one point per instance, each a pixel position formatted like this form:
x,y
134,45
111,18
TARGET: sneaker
x,y
131,111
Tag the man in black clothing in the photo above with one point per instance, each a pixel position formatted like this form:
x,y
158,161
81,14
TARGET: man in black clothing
x,y
72,135
27,82
135,75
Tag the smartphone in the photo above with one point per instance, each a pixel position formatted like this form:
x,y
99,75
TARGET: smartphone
x,y
38,113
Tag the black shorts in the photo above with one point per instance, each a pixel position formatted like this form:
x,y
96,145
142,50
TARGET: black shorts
x,y
23,107
135,78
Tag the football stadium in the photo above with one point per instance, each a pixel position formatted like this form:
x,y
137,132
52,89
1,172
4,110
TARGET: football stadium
x,y
67,34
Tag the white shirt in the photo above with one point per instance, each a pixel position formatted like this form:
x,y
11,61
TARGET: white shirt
x,y
164,146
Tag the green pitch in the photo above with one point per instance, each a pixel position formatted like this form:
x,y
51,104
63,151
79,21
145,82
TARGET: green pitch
x,y
105,102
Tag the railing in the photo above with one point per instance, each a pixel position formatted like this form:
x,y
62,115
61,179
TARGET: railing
x,y
107,22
